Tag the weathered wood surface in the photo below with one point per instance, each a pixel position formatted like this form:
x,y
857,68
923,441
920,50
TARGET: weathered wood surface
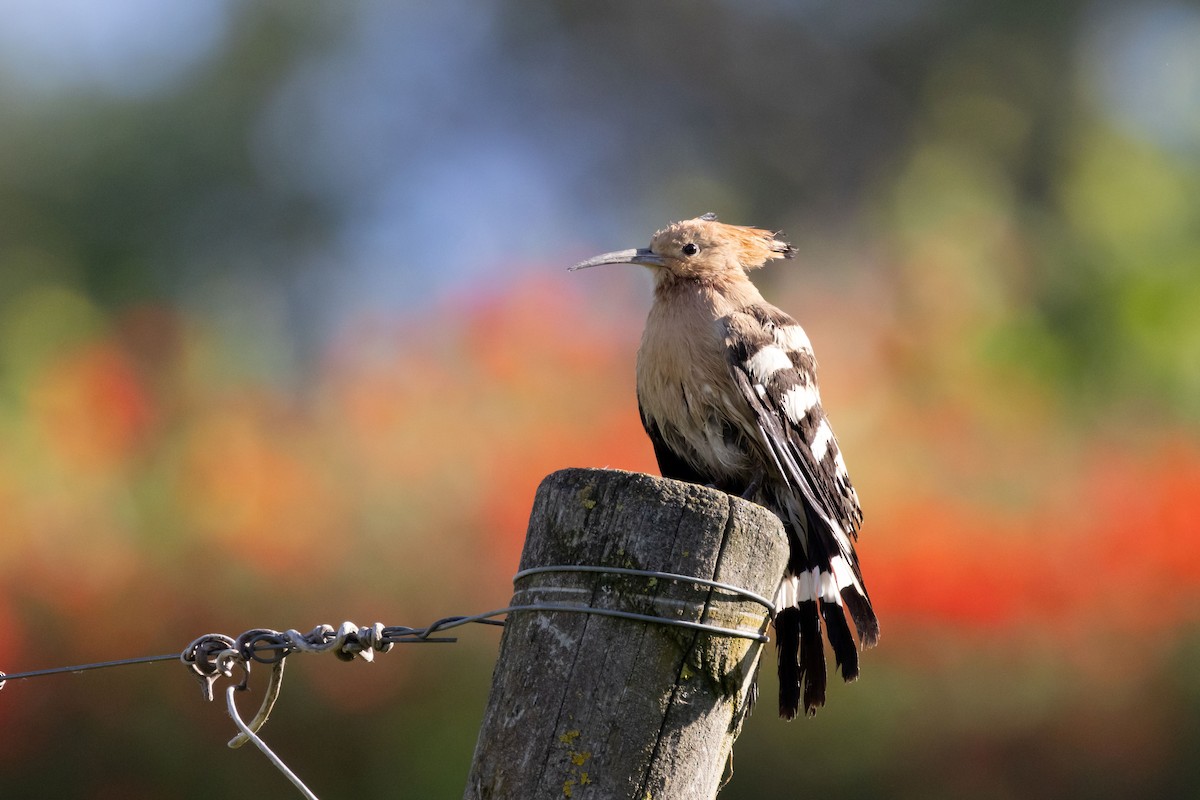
x,y
597,708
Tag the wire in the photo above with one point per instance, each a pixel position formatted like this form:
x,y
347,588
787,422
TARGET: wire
x,y
124,662
268,646
231,707
216,655
647,573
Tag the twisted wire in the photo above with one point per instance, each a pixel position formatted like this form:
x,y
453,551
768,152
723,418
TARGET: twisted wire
x,y
214,655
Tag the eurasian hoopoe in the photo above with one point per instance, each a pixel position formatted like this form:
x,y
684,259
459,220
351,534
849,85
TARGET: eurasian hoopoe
x,y
727,389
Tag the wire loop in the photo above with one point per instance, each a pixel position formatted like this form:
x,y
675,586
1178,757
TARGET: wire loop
x,y
655,574
212,656
737,591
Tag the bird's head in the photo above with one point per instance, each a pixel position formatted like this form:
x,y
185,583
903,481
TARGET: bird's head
x,y
700,249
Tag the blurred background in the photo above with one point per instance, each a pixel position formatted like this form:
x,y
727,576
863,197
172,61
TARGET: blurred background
x,y
286,338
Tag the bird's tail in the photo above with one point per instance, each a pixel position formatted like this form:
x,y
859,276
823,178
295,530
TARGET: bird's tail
x,y
813,596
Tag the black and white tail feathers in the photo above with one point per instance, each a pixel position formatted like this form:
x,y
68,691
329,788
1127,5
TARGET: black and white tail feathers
x,y
810,601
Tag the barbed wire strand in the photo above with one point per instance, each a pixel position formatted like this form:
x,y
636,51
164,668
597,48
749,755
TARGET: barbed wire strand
x,y
216,655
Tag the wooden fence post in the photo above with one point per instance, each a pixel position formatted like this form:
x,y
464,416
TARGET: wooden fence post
x,y
598,708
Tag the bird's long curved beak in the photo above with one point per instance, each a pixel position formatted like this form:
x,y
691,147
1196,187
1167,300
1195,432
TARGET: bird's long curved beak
x,y
641,255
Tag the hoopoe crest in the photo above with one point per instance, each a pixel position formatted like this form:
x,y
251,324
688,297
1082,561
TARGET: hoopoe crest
x,y
727,390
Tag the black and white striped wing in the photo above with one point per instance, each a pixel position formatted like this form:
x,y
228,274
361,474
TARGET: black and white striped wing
x,y
774,368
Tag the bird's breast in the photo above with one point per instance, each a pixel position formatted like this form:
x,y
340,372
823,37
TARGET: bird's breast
x,y
686,389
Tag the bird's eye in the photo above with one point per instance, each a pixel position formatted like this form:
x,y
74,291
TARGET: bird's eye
x,y
690,249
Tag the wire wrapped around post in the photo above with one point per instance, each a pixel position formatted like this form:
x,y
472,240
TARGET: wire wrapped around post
x,y
613,703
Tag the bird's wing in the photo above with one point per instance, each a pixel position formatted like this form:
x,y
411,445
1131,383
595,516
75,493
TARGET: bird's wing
x,y
774,368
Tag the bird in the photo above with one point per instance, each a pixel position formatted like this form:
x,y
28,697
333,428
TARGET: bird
x,y
727,392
